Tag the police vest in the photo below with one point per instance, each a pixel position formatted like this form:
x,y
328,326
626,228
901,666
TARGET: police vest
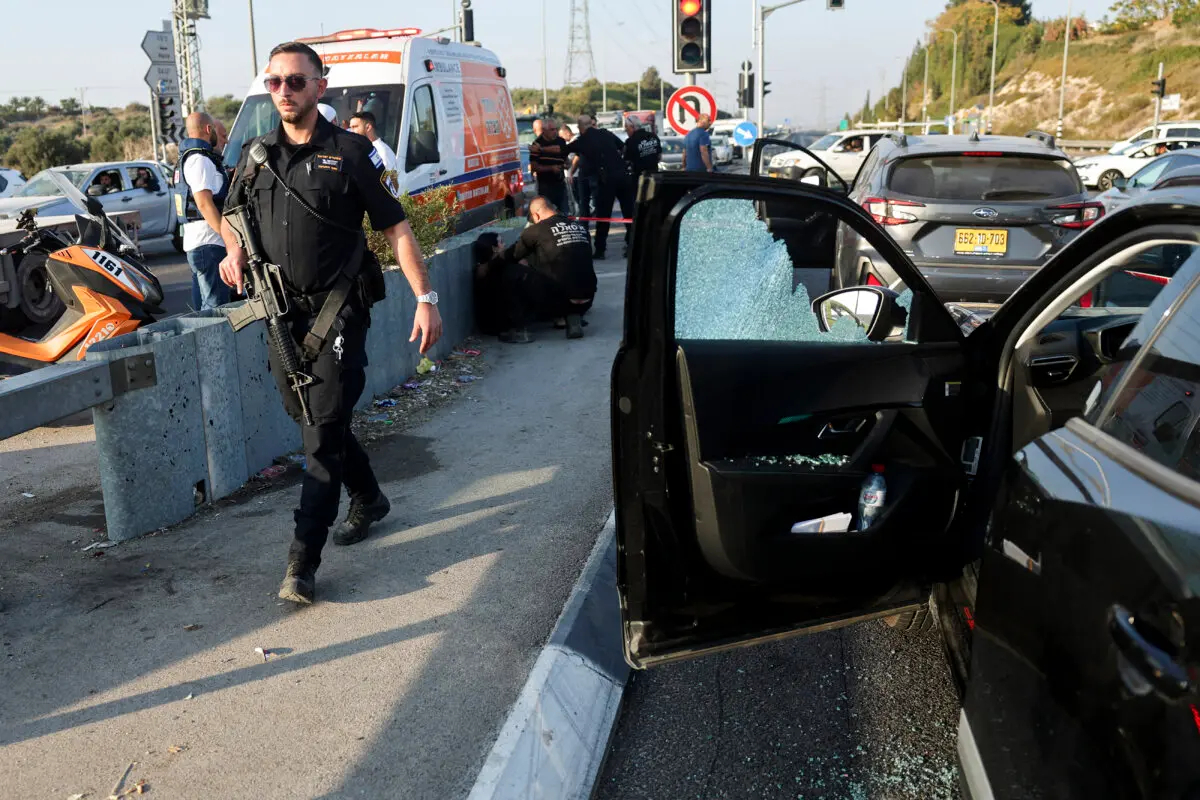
x,y
186,209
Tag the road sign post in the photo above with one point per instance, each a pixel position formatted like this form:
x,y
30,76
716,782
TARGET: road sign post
x,y
687,105
163,79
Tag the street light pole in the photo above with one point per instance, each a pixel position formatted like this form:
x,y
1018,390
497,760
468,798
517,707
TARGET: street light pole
x,y
995,40
1062,90
763,13
925,92
253,45
545,90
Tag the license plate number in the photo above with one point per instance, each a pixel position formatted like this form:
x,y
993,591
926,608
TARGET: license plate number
x,y
981,242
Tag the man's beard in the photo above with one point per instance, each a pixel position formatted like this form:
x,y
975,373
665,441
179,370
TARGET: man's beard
x,y
298,112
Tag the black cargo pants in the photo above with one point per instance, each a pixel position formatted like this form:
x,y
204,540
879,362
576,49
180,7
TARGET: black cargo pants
x,y
609,189
334,456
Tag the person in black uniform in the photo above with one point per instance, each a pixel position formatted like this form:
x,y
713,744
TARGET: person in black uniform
x,y
548,163
561,282
643,150
309,200
603,166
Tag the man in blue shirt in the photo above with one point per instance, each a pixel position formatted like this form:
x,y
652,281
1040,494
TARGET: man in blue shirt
x,y
697,147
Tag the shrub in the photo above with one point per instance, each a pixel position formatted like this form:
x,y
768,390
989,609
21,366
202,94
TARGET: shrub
x,y
431,216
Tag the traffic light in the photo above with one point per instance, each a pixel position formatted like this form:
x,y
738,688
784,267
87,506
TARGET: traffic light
x,y
693,36
1160,87
468,22
766,91
168,116
836,5
746,90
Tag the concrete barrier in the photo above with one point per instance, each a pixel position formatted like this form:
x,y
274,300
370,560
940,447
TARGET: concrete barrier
x,y
214,417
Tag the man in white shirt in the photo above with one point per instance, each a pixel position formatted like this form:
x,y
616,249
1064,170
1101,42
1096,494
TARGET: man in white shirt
x,y
363,123
207,184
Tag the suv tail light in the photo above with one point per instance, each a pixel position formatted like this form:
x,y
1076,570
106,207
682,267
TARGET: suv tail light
x,y
884,211
1077,215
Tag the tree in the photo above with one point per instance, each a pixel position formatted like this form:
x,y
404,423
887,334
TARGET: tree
x,y
224,108
865,114
69,105
1130,15
651,79
1025,7
35,107
35,149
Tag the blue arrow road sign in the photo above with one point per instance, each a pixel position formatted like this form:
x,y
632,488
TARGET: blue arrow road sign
x,y
745,134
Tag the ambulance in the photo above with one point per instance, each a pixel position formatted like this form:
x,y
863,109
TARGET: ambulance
x,y
443,107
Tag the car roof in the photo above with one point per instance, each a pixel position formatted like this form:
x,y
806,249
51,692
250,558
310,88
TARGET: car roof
x,y
1191,176
855,132
940,145
99,164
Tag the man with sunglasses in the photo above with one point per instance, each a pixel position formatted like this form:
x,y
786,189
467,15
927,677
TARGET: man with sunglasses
x,y
309,198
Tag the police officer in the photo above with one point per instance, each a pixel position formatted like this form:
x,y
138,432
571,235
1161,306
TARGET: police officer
x,y
603,164
309,199
643,148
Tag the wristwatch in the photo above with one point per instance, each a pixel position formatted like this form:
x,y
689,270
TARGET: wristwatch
x,y
430,298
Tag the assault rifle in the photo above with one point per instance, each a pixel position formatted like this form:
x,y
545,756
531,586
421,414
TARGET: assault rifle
x,y
268,296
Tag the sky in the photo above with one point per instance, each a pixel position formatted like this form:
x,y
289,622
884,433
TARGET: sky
x,y
820,63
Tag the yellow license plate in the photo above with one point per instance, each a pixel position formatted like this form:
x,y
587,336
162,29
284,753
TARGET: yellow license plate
x,y
981,242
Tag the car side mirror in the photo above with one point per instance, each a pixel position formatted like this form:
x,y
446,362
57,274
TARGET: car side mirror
x,y
1120,183
425,149
870,311
93,205
95,191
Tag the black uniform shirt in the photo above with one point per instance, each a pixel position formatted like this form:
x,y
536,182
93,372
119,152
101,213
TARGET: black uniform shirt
x,y
561,249
601,153
643,151
340,175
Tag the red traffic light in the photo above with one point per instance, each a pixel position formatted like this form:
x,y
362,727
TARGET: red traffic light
x,y
690,6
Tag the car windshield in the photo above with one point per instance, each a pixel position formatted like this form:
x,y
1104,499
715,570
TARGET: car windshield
x,y
1150,173
258,116
525,135
972,179
825,142
41,185
672,145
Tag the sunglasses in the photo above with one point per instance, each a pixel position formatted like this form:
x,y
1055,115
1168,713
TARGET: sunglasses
x,y
294,82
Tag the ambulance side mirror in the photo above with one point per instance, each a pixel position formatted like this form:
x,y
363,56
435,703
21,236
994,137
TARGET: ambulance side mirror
x,y
423,149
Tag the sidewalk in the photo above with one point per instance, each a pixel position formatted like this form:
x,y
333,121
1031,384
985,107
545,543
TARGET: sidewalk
x,y
393,685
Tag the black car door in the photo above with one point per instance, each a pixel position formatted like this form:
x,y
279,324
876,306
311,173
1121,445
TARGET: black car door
x,y
805,167
1085,647
737,421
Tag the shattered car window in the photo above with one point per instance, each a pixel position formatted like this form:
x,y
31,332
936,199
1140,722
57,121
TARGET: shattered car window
x,y
748,271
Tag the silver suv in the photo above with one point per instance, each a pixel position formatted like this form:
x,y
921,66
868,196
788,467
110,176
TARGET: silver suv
x,y
978,215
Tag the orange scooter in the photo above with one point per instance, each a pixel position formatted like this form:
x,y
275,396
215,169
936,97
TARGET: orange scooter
x,y
105,291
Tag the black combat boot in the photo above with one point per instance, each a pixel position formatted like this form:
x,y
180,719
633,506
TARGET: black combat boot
x,y
299,584
574,326
359,519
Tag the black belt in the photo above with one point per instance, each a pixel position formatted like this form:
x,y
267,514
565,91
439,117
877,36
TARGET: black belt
x,y
308,303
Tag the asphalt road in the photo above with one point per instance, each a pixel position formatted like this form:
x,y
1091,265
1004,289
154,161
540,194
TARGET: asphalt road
x,y
862,712
172,270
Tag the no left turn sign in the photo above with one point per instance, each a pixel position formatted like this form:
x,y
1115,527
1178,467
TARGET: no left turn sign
x,y
687,105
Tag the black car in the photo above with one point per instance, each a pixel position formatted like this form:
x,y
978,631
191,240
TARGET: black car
x,y
1042,466
977,214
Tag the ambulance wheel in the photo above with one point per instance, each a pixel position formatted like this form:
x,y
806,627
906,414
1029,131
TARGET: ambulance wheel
x,y
177,240
39,303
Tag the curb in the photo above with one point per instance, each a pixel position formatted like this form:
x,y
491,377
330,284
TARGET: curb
x,y
555,738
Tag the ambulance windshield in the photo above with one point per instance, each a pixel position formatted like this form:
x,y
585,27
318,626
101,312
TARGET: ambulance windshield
x,y
258,116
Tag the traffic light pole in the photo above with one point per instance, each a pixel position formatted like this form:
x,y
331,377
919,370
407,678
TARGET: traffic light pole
x,y
760,96
1158,100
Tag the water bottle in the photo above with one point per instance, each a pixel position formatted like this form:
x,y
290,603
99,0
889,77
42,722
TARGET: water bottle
x,y
871,498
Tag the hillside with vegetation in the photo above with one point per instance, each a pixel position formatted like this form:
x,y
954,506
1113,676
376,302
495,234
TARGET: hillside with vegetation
x,y
35,134
1112,62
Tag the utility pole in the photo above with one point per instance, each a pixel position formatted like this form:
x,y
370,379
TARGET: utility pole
x,y
83,109
953,78
545,89
904,97
662,95
995,39
253,43
639,100
1062,89
925,92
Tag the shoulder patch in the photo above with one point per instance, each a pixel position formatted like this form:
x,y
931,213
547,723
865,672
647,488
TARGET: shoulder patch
x,y
376,159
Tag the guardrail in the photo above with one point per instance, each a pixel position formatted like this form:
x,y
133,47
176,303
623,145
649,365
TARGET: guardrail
x,y
1085,144
185,409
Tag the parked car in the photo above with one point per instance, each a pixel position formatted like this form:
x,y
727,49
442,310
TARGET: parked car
x,y
1043,472
1100,171
1184,129
977,214
10,181
1123,190
672,154
140,186
722,150
844,152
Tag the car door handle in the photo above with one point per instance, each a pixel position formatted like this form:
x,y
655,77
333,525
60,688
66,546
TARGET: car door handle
x,y
441,172
844,428
126,199
1153,664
